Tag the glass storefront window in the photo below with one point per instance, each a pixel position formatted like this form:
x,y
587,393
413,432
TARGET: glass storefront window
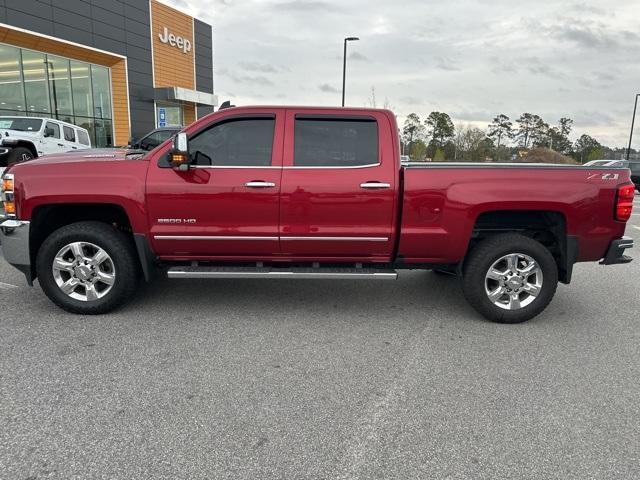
x,y
104,132
60,85
34,84
90,125
34,71
81,87
11,85
101,91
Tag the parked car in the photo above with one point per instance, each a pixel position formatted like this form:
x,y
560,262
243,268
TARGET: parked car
x,y
25,138
154,138
307,193
607,163
635,173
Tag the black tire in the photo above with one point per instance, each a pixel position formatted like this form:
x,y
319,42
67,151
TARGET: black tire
x,y
19,155
117,245
481,259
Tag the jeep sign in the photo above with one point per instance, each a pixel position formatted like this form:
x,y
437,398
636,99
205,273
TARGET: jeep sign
x,y
178,42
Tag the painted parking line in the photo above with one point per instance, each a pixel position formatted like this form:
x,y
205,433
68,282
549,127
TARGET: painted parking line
x,y
7,286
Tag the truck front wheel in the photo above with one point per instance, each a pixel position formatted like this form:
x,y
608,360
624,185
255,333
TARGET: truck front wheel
x,y
510,278
87,268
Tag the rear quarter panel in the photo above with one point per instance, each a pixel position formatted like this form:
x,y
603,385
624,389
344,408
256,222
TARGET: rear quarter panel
x,y
442,204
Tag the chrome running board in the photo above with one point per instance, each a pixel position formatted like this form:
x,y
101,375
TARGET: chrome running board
x,y
283,273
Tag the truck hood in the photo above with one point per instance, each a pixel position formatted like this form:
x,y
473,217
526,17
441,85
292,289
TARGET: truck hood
x,y
90,155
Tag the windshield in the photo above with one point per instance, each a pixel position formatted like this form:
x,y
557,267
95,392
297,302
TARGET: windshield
x,y
20,124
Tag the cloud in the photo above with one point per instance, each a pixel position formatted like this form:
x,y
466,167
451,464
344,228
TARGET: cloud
x,y
258,67
306,6
259,80
358,57
326,88
471,58
444,63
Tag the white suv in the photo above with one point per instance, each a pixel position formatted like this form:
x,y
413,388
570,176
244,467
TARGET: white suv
x,y
25,138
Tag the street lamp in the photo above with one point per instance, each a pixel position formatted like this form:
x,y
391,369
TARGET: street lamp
x,y
344,64
633,121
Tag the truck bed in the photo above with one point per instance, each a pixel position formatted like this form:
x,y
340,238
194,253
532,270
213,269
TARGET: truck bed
x,y
443,203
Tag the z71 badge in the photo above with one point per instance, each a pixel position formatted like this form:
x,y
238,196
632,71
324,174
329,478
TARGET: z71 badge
x,y
178,221
604,176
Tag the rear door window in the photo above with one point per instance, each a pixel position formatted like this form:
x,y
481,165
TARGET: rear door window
x,y
69,134
335,142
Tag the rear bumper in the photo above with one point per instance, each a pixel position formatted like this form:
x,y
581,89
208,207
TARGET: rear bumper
x,y
14,238
615,254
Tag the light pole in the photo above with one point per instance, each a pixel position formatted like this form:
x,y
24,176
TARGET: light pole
x,y
633,121
344,64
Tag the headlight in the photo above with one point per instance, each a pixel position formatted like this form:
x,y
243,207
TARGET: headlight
x,y
7,197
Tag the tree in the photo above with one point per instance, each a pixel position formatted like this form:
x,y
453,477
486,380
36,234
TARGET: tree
x,y
440,128
472,144
587,148
560,136
418,150
526,124
500,129
540,136
371,101
412,131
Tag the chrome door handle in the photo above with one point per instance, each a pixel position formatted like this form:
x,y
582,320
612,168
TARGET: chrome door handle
x,y
259,184
375,185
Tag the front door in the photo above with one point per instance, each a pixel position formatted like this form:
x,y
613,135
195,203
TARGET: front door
x,y
226,205
52,139
339,186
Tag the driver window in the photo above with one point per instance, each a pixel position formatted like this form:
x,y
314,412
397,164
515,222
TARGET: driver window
x,y
243,142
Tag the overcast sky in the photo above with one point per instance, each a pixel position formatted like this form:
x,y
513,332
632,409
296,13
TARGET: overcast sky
x,y
470,58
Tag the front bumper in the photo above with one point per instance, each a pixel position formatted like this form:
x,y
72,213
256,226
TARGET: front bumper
x,y
615,254
14,238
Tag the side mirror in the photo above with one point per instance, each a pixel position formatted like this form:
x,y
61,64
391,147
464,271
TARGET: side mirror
x,y
179,156
49,132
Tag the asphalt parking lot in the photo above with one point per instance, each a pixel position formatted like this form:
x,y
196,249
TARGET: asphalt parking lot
x,y
312,380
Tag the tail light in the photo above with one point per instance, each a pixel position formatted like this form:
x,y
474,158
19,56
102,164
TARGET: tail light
x,y
624,202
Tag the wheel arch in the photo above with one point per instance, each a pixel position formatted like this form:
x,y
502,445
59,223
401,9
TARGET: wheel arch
x,y
47,218
27,144
549,227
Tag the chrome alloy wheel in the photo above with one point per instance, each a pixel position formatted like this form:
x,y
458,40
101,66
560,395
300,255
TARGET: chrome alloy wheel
x,y
513,281
84,271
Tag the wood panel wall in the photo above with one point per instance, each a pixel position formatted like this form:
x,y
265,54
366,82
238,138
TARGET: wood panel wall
x,y
172,67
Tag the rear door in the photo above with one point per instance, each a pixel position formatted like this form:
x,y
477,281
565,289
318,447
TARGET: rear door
x,y
339,186
226,205
69,138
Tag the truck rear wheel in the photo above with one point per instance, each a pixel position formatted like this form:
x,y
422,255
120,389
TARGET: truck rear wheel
x,y
19,155
87,268
510,278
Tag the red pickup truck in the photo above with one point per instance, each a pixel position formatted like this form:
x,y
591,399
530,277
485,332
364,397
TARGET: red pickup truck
x,y
310,193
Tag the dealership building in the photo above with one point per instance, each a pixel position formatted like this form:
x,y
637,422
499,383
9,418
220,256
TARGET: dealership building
x,y
118,68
